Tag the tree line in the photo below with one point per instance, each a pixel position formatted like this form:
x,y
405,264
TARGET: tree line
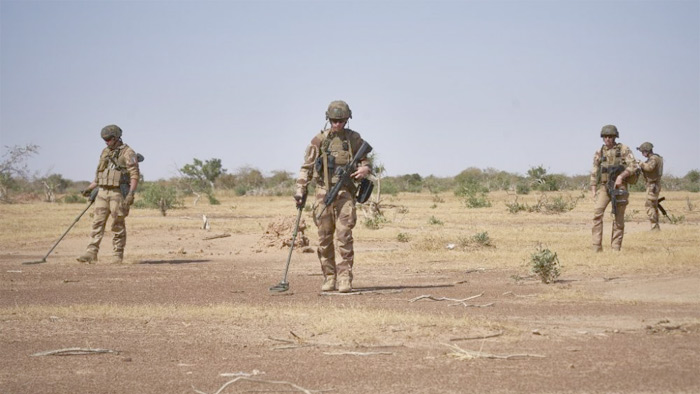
x,y
204,178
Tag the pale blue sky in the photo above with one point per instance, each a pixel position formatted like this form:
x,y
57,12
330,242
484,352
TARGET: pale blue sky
x,y
435,86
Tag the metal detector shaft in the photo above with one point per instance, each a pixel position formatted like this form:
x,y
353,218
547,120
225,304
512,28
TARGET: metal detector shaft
x,y
291,248
91,201
283,285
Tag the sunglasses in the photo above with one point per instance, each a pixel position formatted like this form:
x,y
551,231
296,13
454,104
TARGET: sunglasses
x,y
338,120
110,139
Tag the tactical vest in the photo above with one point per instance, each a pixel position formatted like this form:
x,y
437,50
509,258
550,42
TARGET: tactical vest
x,y
656,173
110,172
612,159
335,152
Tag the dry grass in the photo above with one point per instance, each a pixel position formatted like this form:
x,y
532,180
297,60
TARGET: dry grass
x,y
340,325
513,236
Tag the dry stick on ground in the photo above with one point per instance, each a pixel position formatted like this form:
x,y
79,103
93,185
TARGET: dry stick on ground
x,y
518,295
303,390
478,337
216,236
457,302
74,351
358,353
298,343
463,354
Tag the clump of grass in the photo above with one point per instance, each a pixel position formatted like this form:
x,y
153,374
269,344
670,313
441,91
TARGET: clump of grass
x,y
375,222
481,239
516,207
403,237
545,264
676,219
435,221
545,204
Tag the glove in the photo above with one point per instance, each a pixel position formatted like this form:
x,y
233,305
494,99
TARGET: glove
x,y
300,200
86,192
129,199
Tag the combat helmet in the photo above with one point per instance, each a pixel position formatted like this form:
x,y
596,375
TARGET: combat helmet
x,y
609,130
338,110
646,147
111,131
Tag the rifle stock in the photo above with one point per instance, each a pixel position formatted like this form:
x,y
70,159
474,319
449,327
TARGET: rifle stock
x,y
613,173
344,176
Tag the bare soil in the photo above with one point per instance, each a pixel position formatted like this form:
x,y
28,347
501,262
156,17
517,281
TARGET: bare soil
x,y
633,333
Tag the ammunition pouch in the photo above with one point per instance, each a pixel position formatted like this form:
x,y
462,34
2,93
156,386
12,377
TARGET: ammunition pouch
x,y
364,191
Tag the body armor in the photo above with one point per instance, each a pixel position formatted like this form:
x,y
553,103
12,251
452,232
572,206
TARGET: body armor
x,y
117,167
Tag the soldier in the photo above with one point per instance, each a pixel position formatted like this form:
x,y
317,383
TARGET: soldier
x,y
613,168
117,176
330,149
652,169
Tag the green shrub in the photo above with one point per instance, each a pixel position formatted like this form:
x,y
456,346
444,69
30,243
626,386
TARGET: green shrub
x,y
213,200
158,196
375,222
74,199
522,188
545,264
403,237
473,195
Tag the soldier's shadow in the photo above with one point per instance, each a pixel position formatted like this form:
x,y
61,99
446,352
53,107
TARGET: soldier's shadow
x,y
382,288
174,261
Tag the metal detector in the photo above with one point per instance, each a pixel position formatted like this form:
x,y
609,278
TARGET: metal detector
x,y
284,285
91,200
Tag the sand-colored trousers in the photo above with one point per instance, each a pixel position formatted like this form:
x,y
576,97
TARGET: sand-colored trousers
x,y
652,204
337,220
109,202
602,199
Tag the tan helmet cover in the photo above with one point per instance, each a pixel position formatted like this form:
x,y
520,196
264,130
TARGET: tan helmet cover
x,y
338,110
609,130
646,147
111,131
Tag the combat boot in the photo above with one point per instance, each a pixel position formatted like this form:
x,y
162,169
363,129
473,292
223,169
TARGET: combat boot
x,y
328,283
344,284
89,257
116,259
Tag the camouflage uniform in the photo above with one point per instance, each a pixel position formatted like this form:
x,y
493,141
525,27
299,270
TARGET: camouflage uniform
x,y
652,170
603,159
116,170
339,217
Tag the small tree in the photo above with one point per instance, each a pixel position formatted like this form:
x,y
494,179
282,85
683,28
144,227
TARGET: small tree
x,y
14,167
248,179
540,180
159,196
693,181
199,177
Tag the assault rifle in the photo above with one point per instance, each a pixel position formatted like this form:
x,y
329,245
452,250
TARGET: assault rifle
x,y
343,174
658,204
616,195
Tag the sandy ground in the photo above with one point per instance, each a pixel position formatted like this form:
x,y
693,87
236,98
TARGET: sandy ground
x,y
196,315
